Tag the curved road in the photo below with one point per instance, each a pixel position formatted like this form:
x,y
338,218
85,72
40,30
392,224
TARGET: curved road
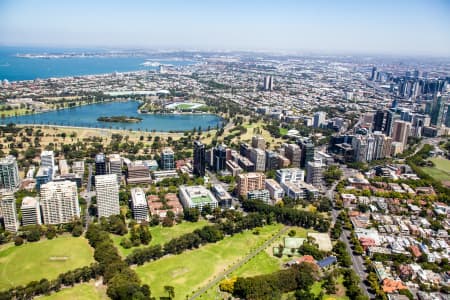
x,y
239,264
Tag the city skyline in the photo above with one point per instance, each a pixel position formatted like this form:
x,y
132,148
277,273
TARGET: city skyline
x,y
403,27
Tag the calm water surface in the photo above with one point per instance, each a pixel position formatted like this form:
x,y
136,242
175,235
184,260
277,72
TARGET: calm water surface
x,y
86,116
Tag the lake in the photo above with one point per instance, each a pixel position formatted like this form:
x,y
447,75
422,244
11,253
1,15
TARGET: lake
x,y
86,116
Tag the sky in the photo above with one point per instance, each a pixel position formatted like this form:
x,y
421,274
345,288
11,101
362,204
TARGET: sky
x,y
408,27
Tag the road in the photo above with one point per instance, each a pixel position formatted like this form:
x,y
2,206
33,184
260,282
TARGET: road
x,y
357,260
236,266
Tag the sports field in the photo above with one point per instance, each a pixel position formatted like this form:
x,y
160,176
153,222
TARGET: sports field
x,y
191,270
84,291
44,259
441,169
160,234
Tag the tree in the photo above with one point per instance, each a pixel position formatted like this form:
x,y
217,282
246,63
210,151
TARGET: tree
x,y
191,214
144,234
77,230
170,290
18,241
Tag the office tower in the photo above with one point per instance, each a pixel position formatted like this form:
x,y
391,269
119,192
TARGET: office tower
x,y
8,207
48,160
139,205
107,195
258,142
401,132
292,175
359,144
199,158
293,152
78,167
382,121
59,202
258,158
100,164
437,113
63,167
307,148
272,160
244,149
319,119
9,173
418,123
219,158
370,150
31,212
373,76
138,172
250,182
167,159
447,117
115,166
209,157
43,175
314,172
382,146
268,83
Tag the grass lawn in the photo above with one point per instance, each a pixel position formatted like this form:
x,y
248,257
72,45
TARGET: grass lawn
x,y
160,234
263,263
32,261
82,291
191,270
441,169
283,131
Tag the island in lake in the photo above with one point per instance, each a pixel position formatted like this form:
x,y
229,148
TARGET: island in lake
x,y
120,119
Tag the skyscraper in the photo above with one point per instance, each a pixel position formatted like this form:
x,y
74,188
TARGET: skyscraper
x,y
59,202
258,142
373,76
8,207
307,148
293,152
107,195
100,164
319,118
115,166
268,83
437,113
219,158
382,121
199,158
314,170
258,158
401,132
167,159
9,173
48,160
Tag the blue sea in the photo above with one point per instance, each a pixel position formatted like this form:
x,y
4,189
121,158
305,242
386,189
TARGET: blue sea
x,y
15,68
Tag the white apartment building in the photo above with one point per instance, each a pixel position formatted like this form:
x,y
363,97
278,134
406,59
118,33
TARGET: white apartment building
x,y
8,207
107,195
31,213
59,202
139,205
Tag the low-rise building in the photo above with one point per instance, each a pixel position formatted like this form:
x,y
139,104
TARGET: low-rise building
x,y
196,197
